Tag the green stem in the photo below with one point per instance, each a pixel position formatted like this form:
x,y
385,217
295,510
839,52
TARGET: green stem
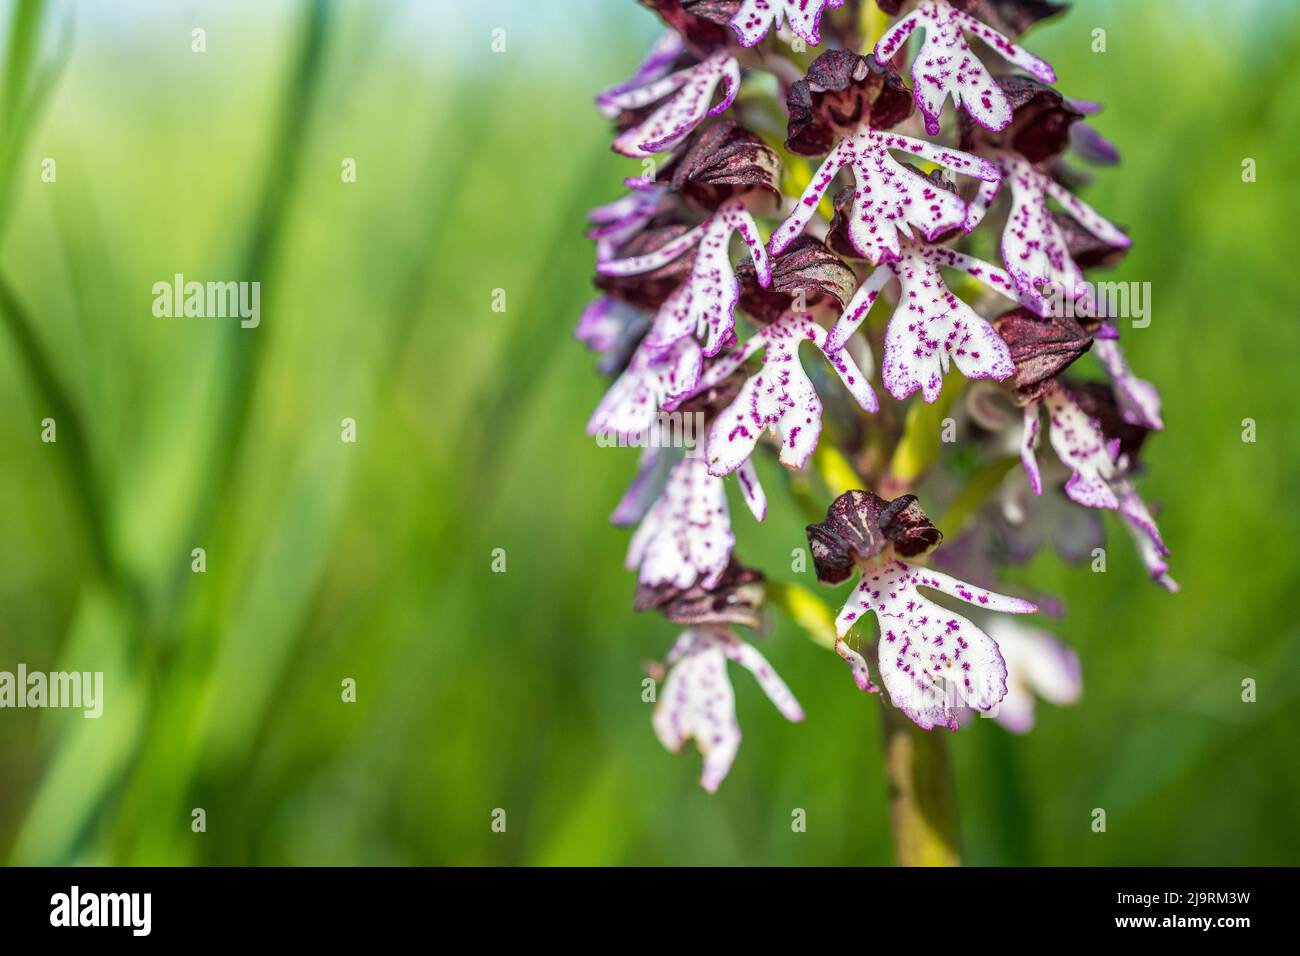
x,y
922,799
80,461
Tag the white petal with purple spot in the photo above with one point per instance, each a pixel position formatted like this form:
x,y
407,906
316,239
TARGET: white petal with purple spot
x,y
932,661
946,66
932,328
780,398
891,201
690,93
697,700
756,17
686,537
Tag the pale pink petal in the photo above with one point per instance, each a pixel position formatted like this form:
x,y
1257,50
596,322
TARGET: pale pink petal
x,y
635,265
988,600
655,67
723,365
1015,711
804,209
1142,527
732,436
697,700
857,666
781,399
750,658
979,206
843,363
651,478
1087,217
998,280
893,38
858,308
1012,53
613,224
1037,664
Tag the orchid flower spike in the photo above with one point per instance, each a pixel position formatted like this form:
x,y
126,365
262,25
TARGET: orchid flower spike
x,y
698,343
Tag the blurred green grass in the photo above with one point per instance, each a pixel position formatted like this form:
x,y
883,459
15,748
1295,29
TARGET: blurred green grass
x,y
372,561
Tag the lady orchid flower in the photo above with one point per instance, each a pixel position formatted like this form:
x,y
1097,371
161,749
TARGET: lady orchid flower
x,y
686,538
891,200
932,661
931,327
780,398
697,700
686,330
947,67
1100,471
705,303
756,17
690,98
655,380
1034,247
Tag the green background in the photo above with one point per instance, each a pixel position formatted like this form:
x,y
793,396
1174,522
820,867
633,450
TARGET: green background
x,y
522,690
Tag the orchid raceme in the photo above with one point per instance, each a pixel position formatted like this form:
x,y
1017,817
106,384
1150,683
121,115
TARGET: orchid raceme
x,y
729,252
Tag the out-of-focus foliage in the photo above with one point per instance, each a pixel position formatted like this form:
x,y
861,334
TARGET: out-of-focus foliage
x,y
373,561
